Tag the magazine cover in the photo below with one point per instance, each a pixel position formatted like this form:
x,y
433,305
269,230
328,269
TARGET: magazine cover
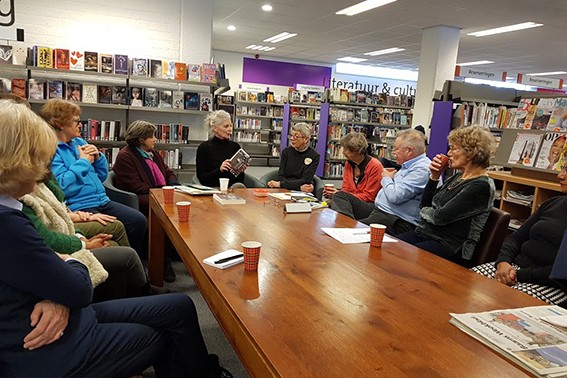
x,y
543,113
521,113
550,152
525,149
558,118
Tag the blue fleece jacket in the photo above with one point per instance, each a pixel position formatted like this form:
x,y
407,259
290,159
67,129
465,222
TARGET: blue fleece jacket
x,y
80,180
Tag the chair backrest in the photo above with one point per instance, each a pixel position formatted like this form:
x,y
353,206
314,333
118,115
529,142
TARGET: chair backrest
x,y
491,237
118,195
252,182
268,176
318,185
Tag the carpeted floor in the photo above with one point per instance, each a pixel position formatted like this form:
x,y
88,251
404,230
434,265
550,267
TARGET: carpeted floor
x,y
215,339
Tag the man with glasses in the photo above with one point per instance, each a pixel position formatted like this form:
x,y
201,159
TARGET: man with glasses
x,y
298,162
397,204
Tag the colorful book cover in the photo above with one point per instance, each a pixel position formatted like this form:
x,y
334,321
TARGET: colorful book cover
x,y
6,54
55,89
209,73
178,100
119,95
104,94
151,97
77,61
139,67
136,96
20,53
121,64
550,151
165,99
205,102
191,101
156,69
180,71
558,119
525,149
44,57
543,113
106,63
242,95
91,61
19,87
168,68
61,61
36,89
90,93
73,91
193,72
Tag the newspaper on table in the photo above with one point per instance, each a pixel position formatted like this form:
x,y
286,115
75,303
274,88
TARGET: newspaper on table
x,y
526,335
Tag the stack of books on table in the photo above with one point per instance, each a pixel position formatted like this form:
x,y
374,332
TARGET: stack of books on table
x,y
533,337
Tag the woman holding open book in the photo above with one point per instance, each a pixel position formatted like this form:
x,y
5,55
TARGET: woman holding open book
x,y
139,166
452,216
213,156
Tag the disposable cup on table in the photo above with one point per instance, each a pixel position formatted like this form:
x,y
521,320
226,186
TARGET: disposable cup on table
x,y
168,194
223,185
251,251
183,210
377,232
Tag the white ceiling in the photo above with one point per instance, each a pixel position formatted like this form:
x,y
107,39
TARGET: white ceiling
x,y
324,36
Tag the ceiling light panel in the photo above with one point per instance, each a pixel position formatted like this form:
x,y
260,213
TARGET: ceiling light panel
x,y
548,73
280,37
351,59
475,63
506,29
385,51
363,7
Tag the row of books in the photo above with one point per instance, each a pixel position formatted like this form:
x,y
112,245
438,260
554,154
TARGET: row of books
x,y
307,97
95,130
333,169
542,114
264,97
259,111
172,158
370,98
336,132
305,113
386,116
247,137
545,151
482,114
120,64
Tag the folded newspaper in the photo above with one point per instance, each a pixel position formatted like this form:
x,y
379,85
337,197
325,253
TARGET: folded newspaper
x,y
239,161
529,336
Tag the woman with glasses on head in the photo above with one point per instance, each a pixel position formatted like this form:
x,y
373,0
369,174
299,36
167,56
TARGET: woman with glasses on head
x,y
298,162
453,216
213,156
80,170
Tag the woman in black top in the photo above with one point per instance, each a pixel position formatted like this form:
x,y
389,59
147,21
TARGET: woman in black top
x,y
213,156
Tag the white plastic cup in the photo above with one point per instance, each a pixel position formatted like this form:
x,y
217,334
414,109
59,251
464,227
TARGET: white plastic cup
x,y
224,185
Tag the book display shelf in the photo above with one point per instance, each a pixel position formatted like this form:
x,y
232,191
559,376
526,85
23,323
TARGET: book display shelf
x,y
109,102
258,125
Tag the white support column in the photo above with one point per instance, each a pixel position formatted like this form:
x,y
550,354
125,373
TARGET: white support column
x,y
439,48
196,24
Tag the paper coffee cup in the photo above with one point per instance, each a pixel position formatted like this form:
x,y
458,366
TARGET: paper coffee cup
x,y
251,250
444,161
223,185
377,232
168,194
183,209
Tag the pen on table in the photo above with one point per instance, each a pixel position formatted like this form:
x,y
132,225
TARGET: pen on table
x,y
220,261
361,233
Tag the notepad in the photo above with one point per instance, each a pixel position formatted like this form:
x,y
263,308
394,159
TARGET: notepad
x,y
213,260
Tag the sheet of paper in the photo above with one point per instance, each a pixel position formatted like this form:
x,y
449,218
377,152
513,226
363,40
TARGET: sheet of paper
x,y
353,235
281,196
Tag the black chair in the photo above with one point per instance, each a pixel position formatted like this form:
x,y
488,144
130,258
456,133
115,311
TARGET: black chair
x,y
118,195
491,237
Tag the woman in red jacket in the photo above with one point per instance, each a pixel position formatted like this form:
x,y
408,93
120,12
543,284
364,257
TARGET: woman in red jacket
x,y
362,173
139,166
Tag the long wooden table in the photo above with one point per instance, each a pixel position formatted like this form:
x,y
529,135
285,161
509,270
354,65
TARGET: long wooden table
x,y
318,308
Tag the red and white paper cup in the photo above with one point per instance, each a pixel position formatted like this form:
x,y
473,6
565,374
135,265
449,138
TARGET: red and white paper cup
x,y
444,162
183,209
377,232
251,251
168,194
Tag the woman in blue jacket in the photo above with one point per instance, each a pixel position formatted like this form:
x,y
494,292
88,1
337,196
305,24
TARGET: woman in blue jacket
x,y
80,170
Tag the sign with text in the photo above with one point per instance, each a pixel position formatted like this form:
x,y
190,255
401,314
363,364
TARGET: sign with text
x,y
253,87
476,73
310,88
538,81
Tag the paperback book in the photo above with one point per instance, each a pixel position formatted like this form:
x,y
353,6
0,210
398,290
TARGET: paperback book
x,y
525,149
54,89
205,102
91,61
136,96
6,54
119,95
61,61
104,94
77,61
139,67
74,91
194,72
156,69
90,93
228,199
178,100
239,161
180,71
43,56
19,53
191,101
151,97
209,73
121,64
106,63
19,87
165,99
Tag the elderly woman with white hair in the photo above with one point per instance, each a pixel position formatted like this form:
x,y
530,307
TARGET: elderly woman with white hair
x,y
213,156
298,162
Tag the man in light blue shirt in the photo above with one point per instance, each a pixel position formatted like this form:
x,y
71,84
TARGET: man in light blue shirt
x,y
397,204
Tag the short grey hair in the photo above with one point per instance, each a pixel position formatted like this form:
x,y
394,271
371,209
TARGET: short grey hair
x,y
138,131
414,139
303,128
215,118
355,142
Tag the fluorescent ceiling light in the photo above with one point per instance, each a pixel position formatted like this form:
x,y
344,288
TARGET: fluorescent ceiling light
x,y
260,47
548,73
267,8
280,37
385,51
500,84
506,29
374,71
231,27
352,60
475,63
363,7
250,46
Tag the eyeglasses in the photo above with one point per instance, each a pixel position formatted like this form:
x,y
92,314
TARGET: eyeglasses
x,y
76,121
455,149
295,136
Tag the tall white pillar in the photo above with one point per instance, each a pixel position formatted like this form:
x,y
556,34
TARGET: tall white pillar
x,y
196,21
439,48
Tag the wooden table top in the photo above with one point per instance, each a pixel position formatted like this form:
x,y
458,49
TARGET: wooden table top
x,y
319,308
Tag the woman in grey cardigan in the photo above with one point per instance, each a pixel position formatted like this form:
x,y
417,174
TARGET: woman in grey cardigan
x,y
452,216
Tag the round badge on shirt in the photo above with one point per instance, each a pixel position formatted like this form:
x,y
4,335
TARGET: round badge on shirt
x,y
307,161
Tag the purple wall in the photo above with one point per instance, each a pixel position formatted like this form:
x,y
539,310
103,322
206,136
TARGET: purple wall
x,y
440,128
285,74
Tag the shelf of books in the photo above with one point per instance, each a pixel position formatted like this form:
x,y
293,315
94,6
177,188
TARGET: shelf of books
x,y
258,124
378,116
113,90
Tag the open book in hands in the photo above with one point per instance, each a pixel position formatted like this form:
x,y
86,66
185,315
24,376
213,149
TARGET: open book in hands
x,y
239,161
